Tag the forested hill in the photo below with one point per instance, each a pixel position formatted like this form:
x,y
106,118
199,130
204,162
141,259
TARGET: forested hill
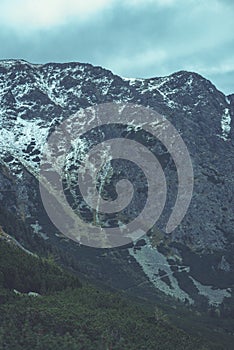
x,y
64,314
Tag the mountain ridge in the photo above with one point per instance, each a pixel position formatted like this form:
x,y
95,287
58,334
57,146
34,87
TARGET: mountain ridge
x,y
176,73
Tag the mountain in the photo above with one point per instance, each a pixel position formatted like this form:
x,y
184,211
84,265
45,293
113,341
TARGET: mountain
x,y
195,262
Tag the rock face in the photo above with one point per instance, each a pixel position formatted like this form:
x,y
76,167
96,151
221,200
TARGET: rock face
x,y
36,98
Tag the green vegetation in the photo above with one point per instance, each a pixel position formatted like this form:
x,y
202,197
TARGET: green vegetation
x,y
69,315
27,273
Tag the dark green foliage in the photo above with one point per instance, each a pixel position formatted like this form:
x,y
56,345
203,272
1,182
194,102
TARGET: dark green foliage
x,y
23,233
87,318
67,317
26,273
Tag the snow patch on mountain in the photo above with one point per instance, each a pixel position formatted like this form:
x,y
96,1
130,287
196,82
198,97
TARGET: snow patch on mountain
x,y
133,81
225,124
152,262
215,296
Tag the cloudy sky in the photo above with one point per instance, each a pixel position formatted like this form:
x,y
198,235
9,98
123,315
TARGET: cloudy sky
x,y
133,38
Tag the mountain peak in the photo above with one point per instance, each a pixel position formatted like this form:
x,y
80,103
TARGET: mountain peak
x,y
34,99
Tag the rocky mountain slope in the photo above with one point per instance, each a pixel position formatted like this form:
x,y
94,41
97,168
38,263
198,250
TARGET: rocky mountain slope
x,y
196,260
